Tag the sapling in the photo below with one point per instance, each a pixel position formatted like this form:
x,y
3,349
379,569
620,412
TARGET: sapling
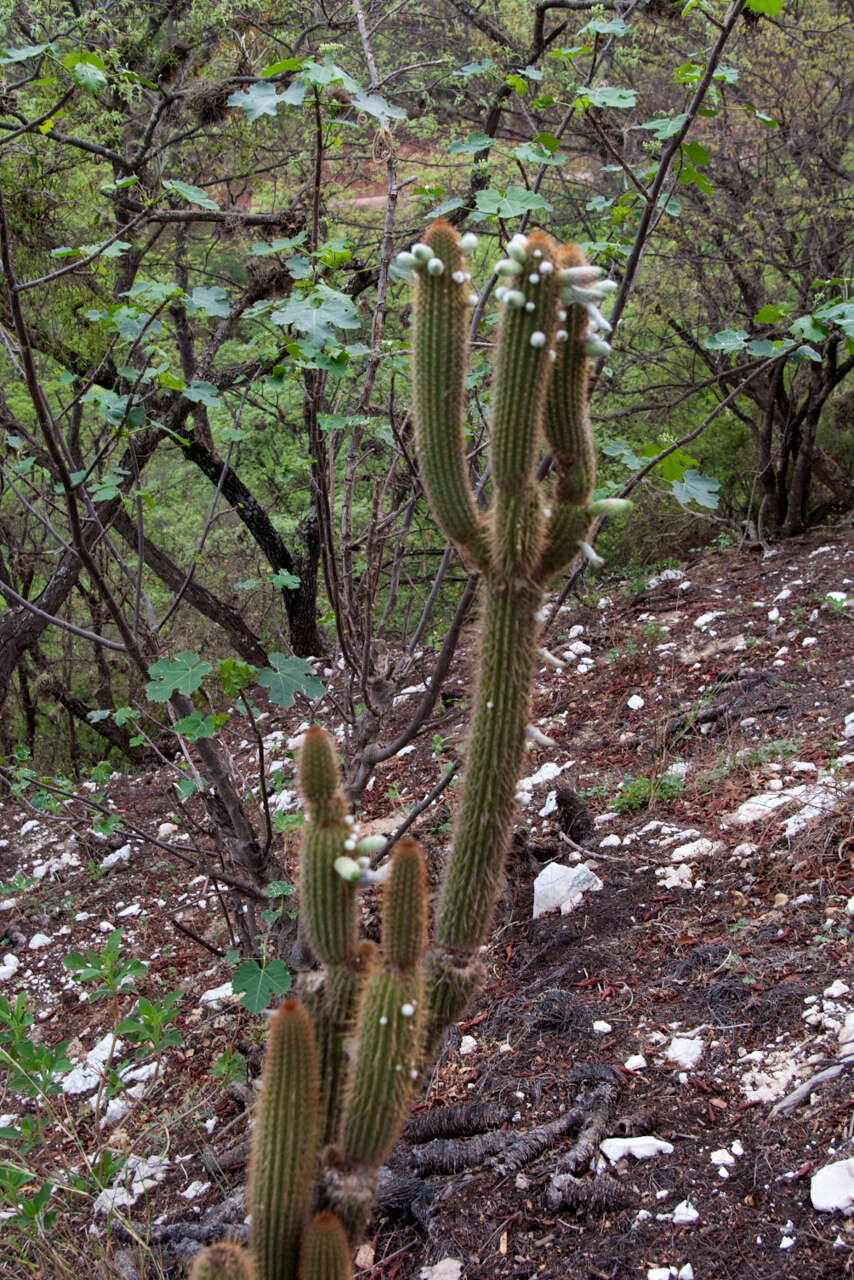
x,y
341,1068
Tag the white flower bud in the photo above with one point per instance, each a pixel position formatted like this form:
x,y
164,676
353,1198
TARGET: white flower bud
x,y
507,267
406,260
561,335
422,252
537,338
468,243
546,267
458,277
435,267
514,298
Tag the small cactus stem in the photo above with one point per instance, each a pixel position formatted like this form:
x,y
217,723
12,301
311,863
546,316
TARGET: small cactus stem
x,y
284,1143
404,918
328,901
325,1252
388,1062
223,1261
440,347
484,821
522,367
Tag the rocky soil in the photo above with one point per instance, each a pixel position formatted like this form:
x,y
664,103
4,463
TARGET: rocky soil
x,y
659,1071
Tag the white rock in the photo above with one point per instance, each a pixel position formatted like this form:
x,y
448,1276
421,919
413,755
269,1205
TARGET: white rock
x,y
133,910
468,1044
32,825
696,849
635,702
601,1027
610,842
685,1051
550,806
678,877
666,575
787,1242
10,966
686,1272
846,1035
39,940
658,1273
215,996
635,1062
559,886
194,1190
706,618
120,858
684,1213
642,1148
166,829
722,1156
836,989
849,907
447,1269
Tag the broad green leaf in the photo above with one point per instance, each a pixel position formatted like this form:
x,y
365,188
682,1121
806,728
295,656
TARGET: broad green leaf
x,y
805,353
808,327
185,788
286,677
210,300
698,488
153,291
184,675
202,393
286,64
771,314
234,676
282,243
256,986
617,97
24,52
474,68
696,153
675,465
318,313
193,195
514,201
86,69
626,454
769,7
195,726
260,99
534,154
839,313
606,27
284,581
664,127
446,207
469,146
341,421
320,75
294,95
761,347
373,105
726,340
727,75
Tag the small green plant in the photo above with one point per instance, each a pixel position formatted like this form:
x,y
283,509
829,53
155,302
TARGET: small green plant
x,y
229,1066
147,1026
642,791
113,972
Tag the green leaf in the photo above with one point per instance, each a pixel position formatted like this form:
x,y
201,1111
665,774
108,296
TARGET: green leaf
x,y
260,99
616,97
185,788
373,105
761,347
202,393
87,69
726,340
256,986
281,244
234,676
318,313
606,27
696,153
771,314
211,301
474,68
808,327
447,206
698,488
320,75
284,581
534,154
286,677
184,675
769,7
469,146
193,195
663,127
24,52
195,726
514,201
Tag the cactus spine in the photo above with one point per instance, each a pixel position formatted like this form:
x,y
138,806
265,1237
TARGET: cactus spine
x,y
330,1113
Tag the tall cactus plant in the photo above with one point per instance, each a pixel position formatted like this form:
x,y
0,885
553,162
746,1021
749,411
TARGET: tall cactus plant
x,y
340,1069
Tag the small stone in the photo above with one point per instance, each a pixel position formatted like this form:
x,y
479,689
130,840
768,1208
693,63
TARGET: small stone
x,y
635,702
635,1062
685,1051
468,1044
684,1214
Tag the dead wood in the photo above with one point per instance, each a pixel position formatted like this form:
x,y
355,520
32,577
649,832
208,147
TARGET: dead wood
x,y
595,1195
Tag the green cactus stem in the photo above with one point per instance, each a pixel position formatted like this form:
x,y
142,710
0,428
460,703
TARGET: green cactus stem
x,y
404,927
325,1252
284,1143
328,902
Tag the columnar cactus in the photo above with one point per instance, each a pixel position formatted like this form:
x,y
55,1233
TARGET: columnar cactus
x,y
539,391
340,1069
